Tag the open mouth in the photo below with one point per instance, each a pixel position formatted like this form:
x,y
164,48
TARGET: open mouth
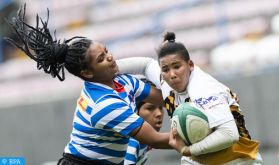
x,y
114,66
158,124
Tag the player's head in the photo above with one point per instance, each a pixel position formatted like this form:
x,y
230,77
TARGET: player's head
x,y
151,113
80,56
175,62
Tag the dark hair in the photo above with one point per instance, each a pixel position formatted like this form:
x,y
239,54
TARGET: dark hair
x,y
169,46
50,54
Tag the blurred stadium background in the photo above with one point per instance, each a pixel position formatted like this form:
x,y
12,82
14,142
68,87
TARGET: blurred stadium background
x,y
237,41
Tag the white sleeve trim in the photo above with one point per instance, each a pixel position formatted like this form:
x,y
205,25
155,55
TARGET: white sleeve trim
x,y
223,137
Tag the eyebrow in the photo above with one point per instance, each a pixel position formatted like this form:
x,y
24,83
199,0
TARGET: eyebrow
x,y
173,63
102,53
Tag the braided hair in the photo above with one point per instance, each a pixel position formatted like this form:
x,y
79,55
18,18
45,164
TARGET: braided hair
x,y
51,54
169,46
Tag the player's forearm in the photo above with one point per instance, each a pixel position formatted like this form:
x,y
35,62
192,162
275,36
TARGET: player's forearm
x,y
162,142
133,65
146,134
223,137
141,65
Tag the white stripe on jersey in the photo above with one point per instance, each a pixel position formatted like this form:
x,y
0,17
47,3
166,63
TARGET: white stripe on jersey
x,y
131,149
92,154
117,147
136,153
81,122
112,115
120,126
101,105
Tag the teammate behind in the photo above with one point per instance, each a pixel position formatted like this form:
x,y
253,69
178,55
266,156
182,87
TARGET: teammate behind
x,y
137,153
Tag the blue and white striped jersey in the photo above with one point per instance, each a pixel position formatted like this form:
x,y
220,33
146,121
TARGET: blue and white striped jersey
x,y
136,153
103,119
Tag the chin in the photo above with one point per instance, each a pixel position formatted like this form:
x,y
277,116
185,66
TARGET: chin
x,y
180,89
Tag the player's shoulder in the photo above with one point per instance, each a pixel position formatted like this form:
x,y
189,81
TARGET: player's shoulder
x,y
201,84
125,78
96,91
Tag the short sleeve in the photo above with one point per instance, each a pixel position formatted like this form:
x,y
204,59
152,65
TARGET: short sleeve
x,y
216,107
140,89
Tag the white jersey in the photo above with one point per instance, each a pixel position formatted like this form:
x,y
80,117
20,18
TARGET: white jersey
x,y
202,89
207,93
218,103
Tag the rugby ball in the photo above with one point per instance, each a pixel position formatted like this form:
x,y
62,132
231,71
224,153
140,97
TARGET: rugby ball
x,y
190,122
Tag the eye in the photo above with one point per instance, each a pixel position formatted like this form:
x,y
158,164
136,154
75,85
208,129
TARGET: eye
x,y
165,69
151,107
176,66
101,58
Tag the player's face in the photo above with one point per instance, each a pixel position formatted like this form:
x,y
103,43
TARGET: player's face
x,y
102,64
176,71
153,114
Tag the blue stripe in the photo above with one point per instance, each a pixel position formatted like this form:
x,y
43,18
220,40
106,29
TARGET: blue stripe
x,y
145,92
105,151
123,94
133,143
121,80
79,115
88,130
82,137
88,110
118,119
103,112
100,141
132,126
75,152
131,80
93,131
131,157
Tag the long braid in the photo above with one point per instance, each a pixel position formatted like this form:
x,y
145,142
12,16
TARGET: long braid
x,y
50,54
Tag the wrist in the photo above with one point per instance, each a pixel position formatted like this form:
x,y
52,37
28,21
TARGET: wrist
x,y
185,151
182,150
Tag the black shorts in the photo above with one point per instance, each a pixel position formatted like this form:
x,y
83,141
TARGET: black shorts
x,y
69,159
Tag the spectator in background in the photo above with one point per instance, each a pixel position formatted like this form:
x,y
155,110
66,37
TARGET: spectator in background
x,y
7,8
137,153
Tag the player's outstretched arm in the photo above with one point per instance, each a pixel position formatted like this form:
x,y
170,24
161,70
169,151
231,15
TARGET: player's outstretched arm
x,y
146,134
145,66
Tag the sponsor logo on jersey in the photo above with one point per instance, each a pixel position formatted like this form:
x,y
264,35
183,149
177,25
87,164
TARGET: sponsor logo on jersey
x,y
82,103
203,101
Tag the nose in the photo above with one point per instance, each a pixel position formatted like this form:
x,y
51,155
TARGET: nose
x,y
172,74
159,112
109,57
